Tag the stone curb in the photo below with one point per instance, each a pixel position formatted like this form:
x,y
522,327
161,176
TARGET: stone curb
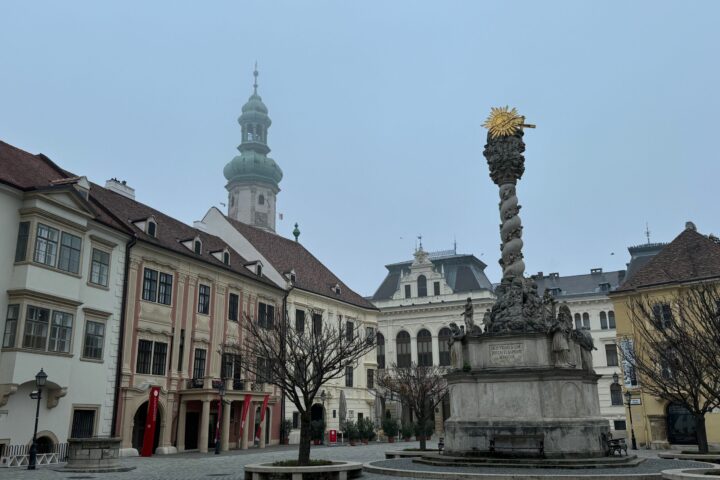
x,y
687,473
341,467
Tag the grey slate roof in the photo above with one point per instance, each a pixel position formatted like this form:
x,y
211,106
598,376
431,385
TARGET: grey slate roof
x,y
464,273
575,285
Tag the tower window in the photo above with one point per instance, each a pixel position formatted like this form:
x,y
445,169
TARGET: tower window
x,y
261,199
422,286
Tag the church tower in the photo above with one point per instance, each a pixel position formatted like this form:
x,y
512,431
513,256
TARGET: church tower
x,y
253,177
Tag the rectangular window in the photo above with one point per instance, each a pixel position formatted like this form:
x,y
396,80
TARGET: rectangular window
x,y
69,253
94,340
370,336
407,291
22,241
203,299
150,285
36,327
616,396
317,324
60,332
300,321
199,363
611,319
144,356
83,423
264,370
436,288
46,245
11,321
266,315
370,378
181,351
233,304
159,357
165,289
349,331
619,425
663,315
99,267
348,376
296,420
611,355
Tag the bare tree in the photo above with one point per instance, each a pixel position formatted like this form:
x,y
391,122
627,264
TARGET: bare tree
x,y
420,388
300,362
675,349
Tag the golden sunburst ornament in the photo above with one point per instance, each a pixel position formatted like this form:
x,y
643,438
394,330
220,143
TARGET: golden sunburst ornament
x,y
504,122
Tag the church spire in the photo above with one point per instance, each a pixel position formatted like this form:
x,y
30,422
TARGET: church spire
x,y
255,74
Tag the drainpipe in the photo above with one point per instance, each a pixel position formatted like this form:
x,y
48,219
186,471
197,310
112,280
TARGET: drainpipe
x,y
121,340
282,352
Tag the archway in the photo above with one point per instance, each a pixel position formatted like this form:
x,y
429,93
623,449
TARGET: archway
x,y
44,444
681,425
139,423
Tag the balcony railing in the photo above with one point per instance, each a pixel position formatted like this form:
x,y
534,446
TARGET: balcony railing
x,y
195,383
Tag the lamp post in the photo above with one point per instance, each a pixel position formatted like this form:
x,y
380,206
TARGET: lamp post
x,y
628,398
218,426
40,380
323,397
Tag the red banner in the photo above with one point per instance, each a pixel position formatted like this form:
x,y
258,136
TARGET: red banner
x,y
262,416
150,422
332,436
243,416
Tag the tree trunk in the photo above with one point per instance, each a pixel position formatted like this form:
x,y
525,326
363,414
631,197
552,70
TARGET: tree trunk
x,y
421,423
304,450
701,433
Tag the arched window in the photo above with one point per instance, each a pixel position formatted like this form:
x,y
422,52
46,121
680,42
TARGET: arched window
x,y
611,319
578,321
380,350
151,228
402,344
261,199
616,397
226,258
422,286
197,246
603,320
586,320
444,343
424,348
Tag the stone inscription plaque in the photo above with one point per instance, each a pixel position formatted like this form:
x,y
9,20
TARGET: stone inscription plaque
x,y
506,353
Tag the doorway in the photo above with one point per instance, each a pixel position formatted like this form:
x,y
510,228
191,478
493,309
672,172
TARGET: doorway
x,y
139,421
681,425
192,420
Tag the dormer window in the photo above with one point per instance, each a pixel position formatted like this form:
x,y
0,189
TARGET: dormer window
x,y
605,287
336,289
293,278
555,292
258,269
151,228
197,246
226,258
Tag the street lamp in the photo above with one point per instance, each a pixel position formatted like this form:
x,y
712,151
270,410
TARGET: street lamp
x,y
221,393
323,397
40,380
628,398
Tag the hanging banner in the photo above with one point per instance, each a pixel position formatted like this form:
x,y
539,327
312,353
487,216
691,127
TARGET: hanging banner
x,y
262,416
243,416
150,422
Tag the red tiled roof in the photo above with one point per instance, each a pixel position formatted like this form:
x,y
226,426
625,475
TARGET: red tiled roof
x,y
310,273
24,170
170,232
690,257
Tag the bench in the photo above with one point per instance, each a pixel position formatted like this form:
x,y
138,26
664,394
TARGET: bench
x,y
614,445
517,443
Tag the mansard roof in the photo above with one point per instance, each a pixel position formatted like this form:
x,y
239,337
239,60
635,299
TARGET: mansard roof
x,y
310,273
463,273
690,257
597,282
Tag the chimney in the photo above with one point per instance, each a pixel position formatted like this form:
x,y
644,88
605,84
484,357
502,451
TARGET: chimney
x,y
540,275
596,270
690,226
120,187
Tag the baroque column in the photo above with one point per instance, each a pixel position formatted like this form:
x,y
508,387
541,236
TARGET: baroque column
x,y
204,426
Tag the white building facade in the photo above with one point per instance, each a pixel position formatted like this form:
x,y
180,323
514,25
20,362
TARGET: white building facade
x,y
62,261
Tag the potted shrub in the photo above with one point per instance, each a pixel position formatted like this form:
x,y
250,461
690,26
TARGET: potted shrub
x,y
317,428
286,427
390,427
425,432
367,430
407,431
351,430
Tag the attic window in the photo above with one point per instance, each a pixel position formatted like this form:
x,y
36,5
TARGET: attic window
x,y
151,228
336,289
605,287
197,246
555,291
226,258
258,269
293,278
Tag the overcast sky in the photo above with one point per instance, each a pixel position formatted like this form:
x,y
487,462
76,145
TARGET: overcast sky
x,y
377,109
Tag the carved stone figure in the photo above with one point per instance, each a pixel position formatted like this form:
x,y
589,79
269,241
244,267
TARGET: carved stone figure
x,y
486,320
468,316
456,332
587,345
561,333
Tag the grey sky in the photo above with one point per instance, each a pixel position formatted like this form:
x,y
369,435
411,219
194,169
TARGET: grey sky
x,y
376,110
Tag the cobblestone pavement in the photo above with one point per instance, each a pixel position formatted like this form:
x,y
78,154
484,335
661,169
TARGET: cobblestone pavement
x,y
229,465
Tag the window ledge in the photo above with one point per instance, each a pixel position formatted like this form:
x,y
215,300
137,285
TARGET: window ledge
x,y
98,286
92,360
39,352
55,269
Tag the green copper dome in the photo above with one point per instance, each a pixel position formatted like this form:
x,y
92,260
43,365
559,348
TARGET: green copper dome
x,y
253,164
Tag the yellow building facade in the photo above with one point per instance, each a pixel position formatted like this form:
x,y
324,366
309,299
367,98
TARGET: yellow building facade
x,y
687,260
